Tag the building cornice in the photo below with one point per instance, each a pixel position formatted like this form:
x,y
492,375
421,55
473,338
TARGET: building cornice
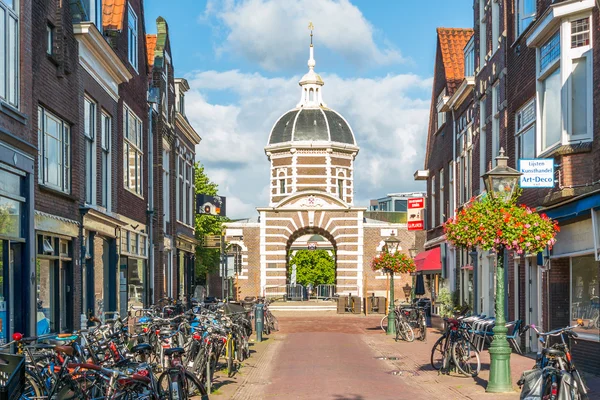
x,y
99,59
551,19
182,124
460,95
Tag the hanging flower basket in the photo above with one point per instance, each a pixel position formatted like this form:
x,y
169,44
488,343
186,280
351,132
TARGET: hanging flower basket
x,y
398,263
491,224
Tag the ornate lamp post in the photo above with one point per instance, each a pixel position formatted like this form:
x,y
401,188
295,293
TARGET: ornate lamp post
x,y
500,183
391,246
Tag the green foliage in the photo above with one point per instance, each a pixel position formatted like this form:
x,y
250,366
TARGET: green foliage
x,y
491,223
207,260
396,262
445,301
313,266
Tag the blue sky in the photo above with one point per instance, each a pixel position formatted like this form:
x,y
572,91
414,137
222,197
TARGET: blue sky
x,y
243,59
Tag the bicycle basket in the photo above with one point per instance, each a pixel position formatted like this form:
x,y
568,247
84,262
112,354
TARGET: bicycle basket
x,y
12,376
532,382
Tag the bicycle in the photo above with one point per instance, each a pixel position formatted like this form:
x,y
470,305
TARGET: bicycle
x,y
403,329
454,349
416,318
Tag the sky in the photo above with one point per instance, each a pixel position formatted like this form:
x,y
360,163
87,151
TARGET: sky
x,y
243,60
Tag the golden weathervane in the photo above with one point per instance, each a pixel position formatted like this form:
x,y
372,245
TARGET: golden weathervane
x,y
311,27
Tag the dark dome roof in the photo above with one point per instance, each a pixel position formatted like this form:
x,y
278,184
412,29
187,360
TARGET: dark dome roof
x,y
311,124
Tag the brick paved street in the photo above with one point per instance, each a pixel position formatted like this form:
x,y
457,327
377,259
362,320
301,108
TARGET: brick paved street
x,y
319,355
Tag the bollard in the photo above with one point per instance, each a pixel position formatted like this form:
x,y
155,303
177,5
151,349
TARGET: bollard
x,y
259,314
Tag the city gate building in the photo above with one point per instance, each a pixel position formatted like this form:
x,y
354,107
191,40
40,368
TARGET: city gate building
x,y
312,150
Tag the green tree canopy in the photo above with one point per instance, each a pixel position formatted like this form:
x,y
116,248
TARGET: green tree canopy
x,y
207,260
313,266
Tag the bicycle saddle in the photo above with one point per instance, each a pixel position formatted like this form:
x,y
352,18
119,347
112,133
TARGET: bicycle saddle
x,y
553,353
174,350
141,348
68,350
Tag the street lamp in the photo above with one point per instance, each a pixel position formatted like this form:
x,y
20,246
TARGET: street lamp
x,y
500,183
391,246
413,251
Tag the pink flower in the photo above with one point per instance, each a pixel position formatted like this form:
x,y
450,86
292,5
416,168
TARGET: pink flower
x,y
515,242
537,237
529,211
527,226
528,244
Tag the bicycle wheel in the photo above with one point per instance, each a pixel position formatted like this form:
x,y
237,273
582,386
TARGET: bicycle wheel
x,y
399,329
437,353
422,330
466,358
383,323
408,332
230,356
189,387
33,389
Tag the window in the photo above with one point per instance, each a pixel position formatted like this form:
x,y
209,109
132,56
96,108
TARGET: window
x,y
433,214
106,126
94,8
464,166
179,176
585,289
54,141
192,191
165,102
282,183
340,186
90,151
400,206
188,191
441,116
442,204
132,35
181,104
483,164
495,122
185,189
451,189
525,131
184,198
132,152
495,25
49,39
525,14
550,51
580,32
470,57
482,34
166,189
9,52
551,110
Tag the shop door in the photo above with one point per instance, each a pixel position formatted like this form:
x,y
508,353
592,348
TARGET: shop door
x,y
533,299
123,290
4,293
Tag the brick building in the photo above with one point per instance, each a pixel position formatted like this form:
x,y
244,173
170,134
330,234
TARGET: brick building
x,y
312,149
174,189
536,78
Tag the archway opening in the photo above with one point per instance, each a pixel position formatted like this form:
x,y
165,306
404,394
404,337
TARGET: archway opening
x,y
311,264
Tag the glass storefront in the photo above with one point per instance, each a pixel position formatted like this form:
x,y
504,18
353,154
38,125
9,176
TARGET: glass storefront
x,y
135,282
585,300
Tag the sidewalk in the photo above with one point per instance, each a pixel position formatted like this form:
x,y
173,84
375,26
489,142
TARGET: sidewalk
x,y
411,363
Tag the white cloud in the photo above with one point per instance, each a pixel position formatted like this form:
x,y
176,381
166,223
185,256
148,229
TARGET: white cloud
x,y
388,115
273,33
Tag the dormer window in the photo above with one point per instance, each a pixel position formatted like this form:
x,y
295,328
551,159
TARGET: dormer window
x,y
470,57
181,104
441,116
132,37
95,13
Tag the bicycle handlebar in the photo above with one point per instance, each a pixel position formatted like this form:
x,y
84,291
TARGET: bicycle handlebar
x,y
555,332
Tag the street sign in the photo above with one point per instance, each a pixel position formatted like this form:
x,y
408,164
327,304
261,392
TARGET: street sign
x,y
212,242
213,205
416,212
537,173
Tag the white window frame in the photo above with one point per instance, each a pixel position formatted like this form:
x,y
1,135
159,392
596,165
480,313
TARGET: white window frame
x,y
133,141
495,25
178,180
89,132
10,51
483,164
165,105
106,145
482,35
166,187
433,198
341,184
95,10
525,121
132,37
566,60
469,55
441,115
451,174
192,191
442,188
64,158
495,121
521,17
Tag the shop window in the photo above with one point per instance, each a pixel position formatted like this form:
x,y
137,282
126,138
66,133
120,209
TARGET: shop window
x,y
525,131
9,52
135,282
585,296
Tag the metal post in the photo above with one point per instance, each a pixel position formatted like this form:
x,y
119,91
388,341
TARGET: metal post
x,y
151,101
259,313
391,328
500,379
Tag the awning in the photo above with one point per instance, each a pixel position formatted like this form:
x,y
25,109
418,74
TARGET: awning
x,y
575,208
429,262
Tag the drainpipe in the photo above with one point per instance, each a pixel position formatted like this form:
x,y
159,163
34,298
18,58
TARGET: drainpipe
x,y
454,197
152,100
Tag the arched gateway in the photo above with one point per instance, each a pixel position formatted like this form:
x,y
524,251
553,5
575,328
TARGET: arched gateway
x,y
312,150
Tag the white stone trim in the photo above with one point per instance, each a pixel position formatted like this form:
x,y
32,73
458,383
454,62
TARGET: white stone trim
x,y
277,235
275,253
301,219
242,277
348,253
346,269
346,262
321,219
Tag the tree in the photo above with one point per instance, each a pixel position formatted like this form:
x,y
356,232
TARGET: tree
x,y
316,267
207,260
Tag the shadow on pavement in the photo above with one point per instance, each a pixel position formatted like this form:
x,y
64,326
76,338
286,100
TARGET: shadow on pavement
x,y
351,397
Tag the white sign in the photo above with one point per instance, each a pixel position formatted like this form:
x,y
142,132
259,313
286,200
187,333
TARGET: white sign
x,y
537,173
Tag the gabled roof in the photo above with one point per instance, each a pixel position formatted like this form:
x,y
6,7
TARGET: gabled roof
x,y
452,42
150,46
113,12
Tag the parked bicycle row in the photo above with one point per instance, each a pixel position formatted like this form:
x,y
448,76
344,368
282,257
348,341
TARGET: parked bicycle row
x,y
157,353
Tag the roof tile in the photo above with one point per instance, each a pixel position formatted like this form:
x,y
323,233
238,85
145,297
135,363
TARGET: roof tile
x,y
452,42
113,12
150,46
